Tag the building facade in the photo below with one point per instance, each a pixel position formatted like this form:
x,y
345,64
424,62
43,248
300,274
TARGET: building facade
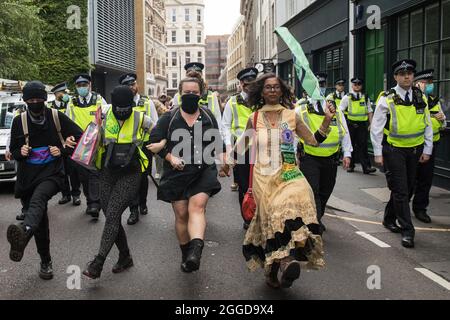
x,y
185,38
112,42
236,55
216,61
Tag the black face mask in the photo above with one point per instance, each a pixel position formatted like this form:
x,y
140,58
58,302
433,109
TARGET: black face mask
x,y
122,113
189,103
36,108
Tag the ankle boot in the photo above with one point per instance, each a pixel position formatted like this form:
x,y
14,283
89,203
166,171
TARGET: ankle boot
x,y
94,268
184,254
18,236
195,254
272,277
46,270
134,216
125,262
290,271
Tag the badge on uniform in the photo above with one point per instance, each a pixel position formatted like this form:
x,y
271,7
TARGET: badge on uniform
x,y
420,111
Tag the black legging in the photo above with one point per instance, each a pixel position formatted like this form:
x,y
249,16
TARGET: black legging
x,y
118,190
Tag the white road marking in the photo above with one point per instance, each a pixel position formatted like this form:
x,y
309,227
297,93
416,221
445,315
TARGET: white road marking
x,y
432,276
367,236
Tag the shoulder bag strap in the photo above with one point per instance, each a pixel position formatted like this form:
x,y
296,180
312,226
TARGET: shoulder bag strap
x,y
253,152
58,126
24,119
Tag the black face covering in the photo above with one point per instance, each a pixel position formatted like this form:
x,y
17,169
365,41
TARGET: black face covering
x,y
36,108
122,102
189,103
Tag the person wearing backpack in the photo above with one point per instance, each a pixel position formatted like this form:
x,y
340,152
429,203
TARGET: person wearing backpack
x,y
190,173
37,144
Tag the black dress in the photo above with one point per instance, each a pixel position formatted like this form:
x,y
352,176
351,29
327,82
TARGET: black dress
x,y
199,175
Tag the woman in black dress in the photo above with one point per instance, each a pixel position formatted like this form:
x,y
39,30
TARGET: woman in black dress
x,y
189,177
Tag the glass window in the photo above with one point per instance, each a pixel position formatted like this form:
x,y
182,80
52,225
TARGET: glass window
x,y
404,54
200,57
445,17
416,28
174,15
432,31
187,16
432,58
445,60
416,54
174,37
188,57
199,15
174,80
199,37
174,59
445,94
188,36
403,31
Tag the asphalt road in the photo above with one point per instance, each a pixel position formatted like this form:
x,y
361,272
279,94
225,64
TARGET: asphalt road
x,y
223,274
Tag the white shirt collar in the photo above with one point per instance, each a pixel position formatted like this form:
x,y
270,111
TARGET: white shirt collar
x,y
87,98
58,103
402,92
137,97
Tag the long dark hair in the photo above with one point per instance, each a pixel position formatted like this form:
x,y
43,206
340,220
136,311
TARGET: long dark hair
x,y
256,88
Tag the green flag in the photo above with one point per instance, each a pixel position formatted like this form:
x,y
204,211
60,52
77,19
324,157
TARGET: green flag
x,y
307,78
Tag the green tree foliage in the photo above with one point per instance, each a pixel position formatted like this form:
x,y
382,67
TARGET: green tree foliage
x,y
67,49
20,39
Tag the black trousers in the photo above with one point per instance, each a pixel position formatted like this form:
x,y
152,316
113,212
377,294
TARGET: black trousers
x,y
36,215
359,133
91,185
321,175
401,165
424,182
72,183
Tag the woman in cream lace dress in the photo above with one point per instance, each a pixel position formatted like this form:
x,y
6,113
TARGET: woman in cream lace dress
x,y
282,235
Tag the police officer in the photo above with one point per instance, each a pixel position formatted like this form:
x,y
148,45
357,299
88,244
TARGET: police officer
x,y
404,113
81,110
235,118
60,103
425,172
209,99
147,107
359,115
339,94
319,164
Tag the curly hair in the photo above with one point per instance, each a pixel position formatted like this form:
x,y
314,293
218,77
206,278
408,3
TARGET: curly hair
x,y
256,89
198,75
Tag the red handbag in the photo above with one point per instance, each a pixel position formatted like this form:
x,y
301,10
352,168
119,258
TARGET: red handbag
x,y
249,203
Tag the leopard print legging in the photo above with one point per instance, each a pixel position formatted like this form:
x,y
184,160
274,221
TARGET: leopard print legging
x,y
117,189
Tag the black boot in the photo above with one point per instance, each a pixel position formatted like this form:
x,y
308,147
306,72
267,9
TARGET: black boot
x,y
21,216
18,236
46,270
76,201
184,254
195,254
143,210
93,212
94,268
64,200
125,262
134,217
422,215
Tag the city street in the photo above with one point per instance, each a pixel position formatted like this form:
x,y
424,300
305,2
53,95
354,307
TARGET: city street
x,y
223,274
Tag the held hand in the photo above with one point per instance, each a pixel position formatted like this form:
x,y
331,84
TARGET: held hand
x,y
25,151
440,116
346,163
157,147
177,163
379,160
54,151
330,111
71,143
8,156
424,158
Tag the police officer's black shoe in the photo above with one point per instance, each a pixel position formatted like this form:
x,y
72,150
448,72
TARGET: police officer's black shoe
x,y
94,268
76,201
184,254
46,271
20,217
125,262
246,225
351,170
134,217
143,210
408,242
64,200
93,212
422,216
195,254
370,171
393,227
18,236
